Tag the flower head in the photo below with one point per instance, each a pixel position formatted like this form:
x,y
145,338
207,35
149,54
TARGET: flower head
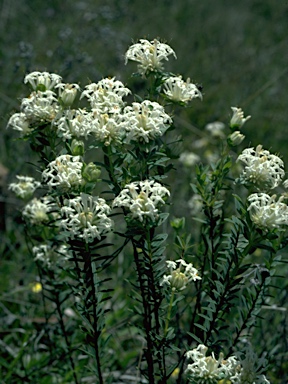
x,y
216,129
149,55
64,172
142,199
266,212
37,211
189,159
42,81
262,169
86,217
40,107
74,123
145,121
25,187
178,90
67,92
238,119
49,255
109,129
181,274
19,122
106,96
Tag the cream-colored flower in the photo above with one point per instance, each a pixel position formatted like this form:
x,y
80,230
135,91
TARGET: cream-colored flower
x,y
42,81
67,93
178,90
142,199
262,170
25,187
19,122
149,55
238,119
40,107
181,274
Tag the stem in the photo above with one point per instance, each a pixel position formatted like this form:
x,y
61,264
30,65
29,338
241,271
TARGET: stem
x,y
169,312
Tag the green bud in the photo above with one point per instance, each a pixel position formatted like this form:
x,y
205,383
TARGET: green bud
x,y
77,147
178,223
91,172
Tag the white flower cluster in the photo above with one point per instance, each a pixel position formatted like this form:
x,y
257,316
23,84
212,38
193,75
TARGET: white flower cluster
x,y
37,210
262,169
64,172
149,55
189,159
266,212
178,90
43,80
106,96
25,187
49,255
181,274
209,370
145,121
74,123
142,199
86,217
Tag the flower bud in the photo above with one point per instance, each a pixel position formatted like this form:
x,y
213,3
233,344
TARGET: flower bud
x,y
77,147
68,93
91,172
238,119
178,223
235,138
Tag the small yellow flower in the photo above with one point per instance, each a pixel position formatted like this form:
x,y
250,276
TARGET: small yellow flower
x,y
36,287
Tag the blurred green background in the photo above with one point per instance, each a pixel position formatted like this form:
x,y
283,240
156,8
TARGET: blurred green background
x,y
237,50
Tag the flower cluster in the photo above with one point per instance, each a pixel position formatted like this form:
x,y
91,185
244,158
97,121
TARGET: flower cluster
x,y
145,121
49,255
149,55
178,277
209,370
74,123
178,90
262,170
40,107
42,80
25,187
266,212
86,217
64,172
37,211
142,199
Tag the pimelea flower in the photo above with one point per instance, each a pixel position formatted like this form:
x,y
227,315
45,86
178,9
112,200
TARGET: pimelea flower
x,y
42,81
19,122
238,119
266,212
36,211
25,187
106,96
149,55
216,129
64,172
142,199
49,255
67,93
181,274
74,123
40,107
109,129
235,138
145,121
208,369
178,90
262,170
86,217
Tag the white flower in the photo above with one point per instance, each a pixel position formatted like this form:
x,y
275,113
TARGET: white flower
x,y
266,212
207,369
36,211
49,255
195,204
262,169
86,217
216,129
106,95
45,79
145,121
189,159
25,186
178,278
142,199
67,92
64,172
235,138
108,128
40,107
149,55
19,122
180,91
74,123
237,119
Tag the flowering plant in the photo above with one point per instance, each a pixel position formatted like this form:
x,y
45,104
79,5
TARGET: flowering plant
x,y
87,261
